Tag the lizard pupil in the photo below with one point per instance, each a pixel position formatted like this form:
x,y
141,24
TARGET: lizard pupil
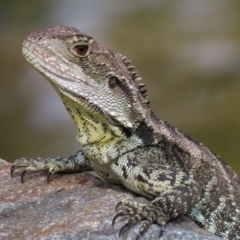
x,y
81,50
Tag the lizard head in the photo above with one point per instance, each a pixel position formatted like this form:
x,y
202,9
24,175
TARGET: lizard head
x,y
97,86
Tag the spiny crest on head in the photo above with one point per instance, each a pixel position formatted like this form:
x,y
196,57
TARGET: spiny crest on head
x,y
135,76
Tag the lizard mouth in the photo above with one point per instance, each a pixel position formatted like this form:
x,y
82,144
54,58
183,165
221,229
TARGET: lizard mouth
x,y
47,63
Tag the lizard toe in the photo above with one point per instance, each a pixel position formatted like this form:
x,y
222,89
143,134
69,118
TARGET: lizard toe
x,y
125,207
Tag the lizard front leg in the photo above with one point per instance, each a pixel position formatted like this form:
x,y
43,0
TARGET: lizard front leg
x,y
173,192
74,163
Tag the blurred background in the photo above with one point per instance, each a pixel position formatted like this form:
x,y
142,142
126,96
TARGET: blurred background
x,y
188,53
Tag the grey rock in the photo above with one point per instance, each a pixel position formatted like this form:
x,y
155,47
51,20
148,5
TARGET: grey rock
x,y
73,206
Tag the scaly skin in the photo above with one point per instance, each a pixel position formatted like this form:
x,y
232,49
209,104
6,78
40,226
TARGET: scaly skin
x,y
125,143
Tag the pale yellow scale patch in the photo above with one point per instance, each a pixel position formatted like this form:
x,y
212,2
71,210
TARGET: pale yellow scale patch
x,y
93,126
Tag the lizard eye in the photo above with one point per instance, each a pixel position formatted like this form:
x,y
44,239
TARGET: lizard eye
x,y
81,50
112,82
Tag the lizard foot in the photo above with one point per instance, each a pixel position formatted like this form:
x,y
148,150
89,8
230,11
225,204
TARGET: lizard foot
x,y
52,165
33,165
138,212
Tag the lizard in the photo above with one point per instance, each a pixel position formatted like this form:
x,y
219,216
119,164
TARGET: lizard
x,y
125,143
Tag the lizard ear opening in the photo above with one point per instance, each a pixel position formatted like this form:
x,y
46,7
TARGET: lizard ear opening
x,y
112,82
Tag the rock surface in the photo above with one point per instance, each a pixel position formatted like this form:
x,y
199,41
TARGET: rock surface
x,y
73,206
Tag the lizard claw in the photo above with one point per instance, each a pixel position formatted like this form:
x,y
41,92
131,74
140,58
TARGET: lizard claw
x,y
141,233
118,214
12,170
131,221
161,232
22,175
117,206
121,230
49,176
138,236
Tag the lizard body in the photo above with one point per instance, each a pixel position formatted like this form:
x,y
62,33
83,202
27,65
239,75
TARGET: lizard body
x,y
125,143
